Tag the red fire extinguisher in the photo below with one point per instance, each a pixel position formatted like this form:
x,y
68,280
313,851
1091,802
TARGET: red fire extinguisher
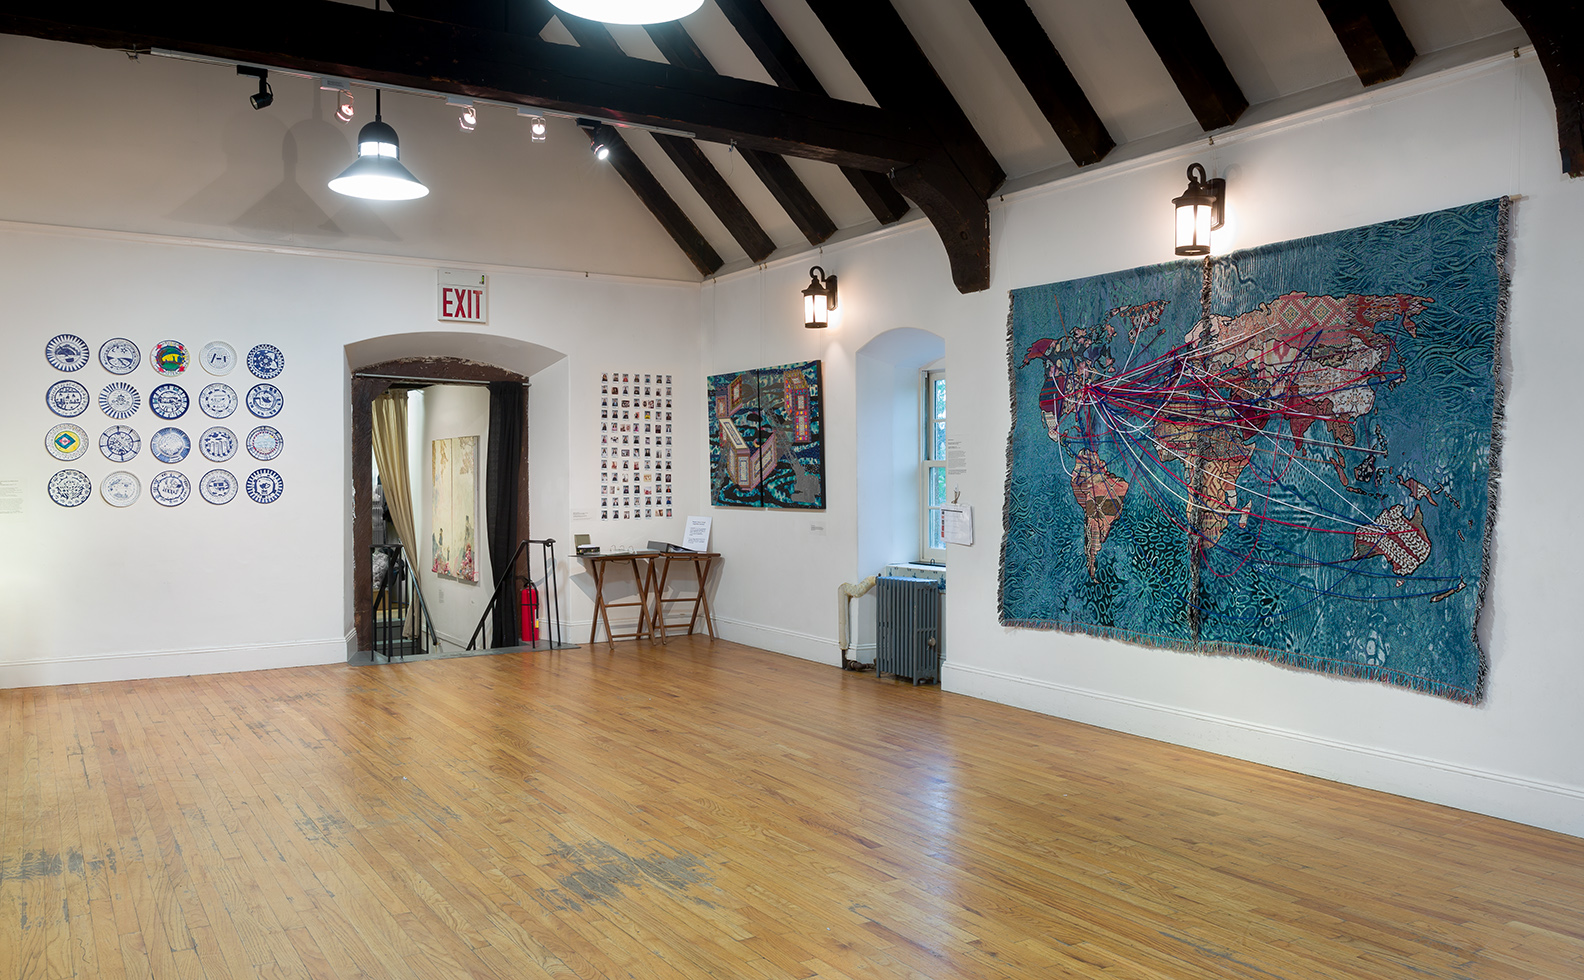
x,y
530,613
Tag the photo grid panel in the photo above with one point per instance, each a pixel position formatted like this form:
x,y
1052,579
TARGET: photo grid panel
x,y
635,445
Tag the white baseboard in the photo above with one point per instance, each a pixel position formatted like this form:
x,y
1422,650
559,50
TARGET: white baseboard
x,y
175,663
805,646
1553,806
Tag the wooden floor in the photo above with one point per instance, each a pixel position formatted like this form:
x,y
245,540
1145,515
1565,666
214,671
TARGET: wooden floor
x,y
714,811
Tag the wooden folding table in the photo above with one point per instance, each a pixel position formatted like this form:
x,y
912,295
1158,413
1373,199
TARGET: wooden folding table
x,y
701,561
643,576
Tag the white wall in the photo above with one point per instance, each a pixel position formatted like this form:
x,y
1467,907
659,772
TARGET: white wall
x,y
1474,134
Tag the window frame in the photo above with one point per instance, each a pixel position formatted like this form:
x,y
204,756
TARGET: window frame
x,y
929,462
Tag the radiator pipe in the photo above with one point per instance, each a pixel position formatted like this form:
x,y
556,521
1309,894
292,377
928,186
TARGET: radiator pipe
x,y
845,594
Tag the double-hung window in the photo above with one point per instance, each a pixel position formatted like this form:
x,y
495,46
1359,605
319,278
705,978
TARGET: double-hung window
x,y
932,469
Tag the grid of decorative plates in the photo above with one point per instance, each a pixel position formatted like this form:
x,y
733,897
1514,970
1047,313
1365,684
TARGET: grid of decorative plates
x,y
635,445
179,418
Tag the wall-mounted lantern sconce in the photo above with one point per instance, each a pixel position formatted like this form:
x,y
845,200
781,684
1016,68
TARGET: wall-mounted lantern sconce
x,y
818,299
1200,210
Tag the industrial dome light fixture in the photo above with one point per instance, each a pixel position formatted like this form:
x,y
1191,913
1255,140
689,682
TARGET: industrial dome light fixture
x,y
819,299
1200,210
628,11
377,173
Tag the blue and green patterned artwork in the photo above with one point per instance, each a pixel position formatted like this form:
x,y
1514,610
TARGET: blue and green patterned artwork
x,y
767,438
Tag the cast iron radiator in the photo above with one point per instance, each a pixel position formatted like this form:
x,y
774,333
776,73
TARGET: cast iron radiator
x,y
908,633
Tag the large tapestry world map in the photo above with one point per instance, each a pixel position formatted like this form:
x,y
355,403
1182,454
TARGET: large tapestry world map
x,y
1284,453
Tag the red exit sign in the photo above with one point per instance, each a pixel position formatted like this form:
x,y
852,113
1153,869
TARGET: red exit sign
x,y
463,296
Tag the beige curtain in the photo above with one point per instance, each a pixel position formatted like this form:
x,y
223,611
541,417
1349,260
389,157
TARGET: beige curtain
x,y
390,455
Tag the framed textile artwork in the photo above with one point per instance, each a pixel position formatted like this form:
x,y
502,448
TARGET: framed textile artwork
x,y
767,438
454,526
1285,453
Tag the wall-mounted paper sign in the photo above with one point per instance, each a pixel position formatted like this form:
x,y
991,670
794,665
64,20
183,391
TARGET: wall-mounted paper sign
x,y
957,524
696,537
462,296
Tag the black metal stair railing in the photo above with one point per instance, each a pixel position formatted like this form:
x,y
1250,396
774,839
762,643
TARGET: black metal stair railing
x,y
505,592
398,589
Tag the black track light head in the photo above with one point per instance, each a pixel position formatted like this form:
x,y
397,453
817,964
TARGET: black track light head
x,y
265,95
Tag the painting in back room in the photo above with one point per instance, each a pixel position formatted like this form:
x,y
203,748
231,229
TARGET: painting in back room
x,y
1285,453
767,438
453,530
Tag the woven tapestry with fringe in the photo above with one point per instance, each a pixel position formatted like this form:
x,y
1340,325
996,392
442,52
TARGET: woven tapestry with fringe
x,y
1287,453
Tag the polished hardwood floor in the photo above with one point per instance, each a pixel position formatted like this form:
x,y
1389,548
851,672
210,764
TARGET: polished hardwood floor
x,y
711,810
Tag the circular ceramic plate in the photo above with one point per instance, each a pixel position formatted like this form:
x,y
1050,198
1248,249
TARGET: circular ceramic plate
x,y
67,398
218,400
119,400
168,357
119,356
266,361
170,445
120,489
119,443
218,357
67,352
168,401
265,486
265,442
66,442
218,487
169,488
217,444
265,401
69,488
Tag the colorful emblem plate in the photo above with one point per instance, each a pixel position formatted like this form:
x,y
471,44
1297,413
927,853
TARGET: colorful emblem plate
x,y
70,488
217,444
218,400
121,489
67,399
119,443
265,442
168,401
66,442
265,486
169,358
119,400
265,401
119,355
67,352
170,445
218,358
170,488
218,487
266,361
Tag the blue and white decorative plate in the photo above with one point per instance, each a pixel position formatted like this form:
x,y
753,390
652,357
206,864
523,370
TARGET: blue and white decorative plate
x,y
120,489
217,444
170,445
265,401
169,401
265,442
66,442
67,399
265,486
218,400
218,487
67,352
119,400
266,361
119,355
168,357
119,443
70,488
169,488
218,357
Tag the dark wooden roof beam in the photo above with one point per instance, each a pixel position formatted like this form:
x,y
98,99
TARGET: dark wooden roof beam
x,y
1192,60
1372,36
1557,30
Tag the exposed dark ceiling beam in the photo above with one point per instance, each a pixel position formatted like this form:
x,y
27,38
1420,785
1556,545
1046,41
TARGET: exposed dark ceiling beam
x,y
778,177
1191,58
1028,48
527,17
626,163
1557,30
1372,36
775,52
686,155
881,49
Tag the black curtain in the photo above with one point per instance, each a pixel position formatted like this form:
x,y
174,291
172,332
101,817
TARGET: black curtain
x,y
500,501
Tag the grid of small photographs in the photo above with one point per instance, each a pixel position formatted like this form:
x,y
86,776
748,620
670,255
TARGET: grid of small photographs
x,y
635,446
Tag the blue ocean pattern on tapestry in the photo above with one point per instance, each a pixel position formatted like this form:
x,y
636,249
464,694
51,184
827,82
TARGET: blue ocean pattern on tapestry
x,y
1285,453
